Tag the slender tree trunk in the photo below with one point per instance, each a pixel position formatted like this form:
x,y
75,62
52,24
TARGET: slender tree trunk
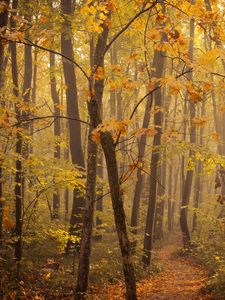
x,y
19,144
112,91
84,262
99,203
74,127
170,197
149,231
189,174
66,192
158,228
57,130
3,23
198,183
98,85
139,182
113,179
33,96
119,214
148,239
27,79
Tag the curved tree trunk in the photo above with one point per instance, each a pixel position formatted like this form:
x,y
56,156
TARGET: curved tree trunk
x,y
94,109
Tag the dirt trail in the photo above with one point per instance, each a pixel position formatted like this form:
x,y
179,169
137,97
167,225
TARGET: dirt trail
x,y
180,279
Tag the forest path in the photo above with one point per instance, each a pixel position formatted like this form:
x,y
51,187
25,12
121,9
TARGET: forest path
x,y
180,279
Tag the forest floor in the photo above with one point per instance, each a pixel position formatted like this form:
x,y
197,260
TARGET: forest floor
x,y
181,279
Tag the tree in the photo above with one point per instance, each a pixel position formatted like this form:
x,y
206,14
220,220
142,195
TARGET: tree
x,y
3,24
56,101
158,63
72,112
189,174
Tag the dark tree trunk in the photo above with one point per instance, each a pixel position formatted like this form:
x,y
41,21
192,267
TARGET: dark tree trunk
x,y
139,182
33,96
189,174
74,127
198,183
27,79
95,118
19,144
113,178
112,91
158,231
85,251
99,203
57,131
66,192
3,24
149,231
119,214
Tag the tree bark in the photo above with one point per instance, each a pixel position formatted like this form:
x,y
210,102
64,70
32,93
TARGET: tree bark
x,y
57,130
119,214
19,144
158,228
108,146
85,251
3,24
149,230
139,182
74,127
33,95
99,203
189,174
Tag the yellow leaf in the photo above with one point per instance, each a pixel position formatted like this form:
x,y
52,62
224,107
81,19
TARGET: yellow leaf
x,y
215,136
44,19
208,59
154,34
99,74
96,135
199,122
194,92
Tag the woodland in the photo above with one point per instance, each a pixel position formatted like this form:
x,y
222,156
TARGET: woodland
x,y
112,149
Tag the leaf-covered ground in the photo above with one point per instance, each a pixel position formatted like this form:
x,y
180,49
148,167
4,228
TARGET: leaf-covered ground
x,y
180,279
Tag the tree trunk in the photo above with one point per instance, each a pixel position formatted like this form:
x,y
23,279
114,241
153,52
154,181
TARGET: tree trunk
x,y
57,131
119,214
85,251
27,78
158,232
74,127
94,105
19,144
95,119
3,23
139,182
112,91
170,198
33,96
189,174
149,231
99,203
